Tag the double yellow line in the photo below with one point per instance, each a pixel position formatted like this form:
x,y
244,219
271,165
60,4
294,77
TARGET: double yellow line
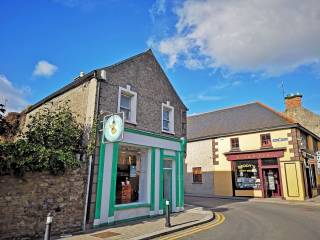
x,y
219,219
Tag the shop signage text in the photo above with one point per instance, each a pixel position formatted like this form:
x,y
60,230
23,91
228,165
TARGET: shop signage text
x,y
256,155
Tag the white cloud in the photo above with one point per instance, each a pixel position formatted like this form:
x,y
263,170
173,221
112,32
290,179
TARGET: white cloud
x,y
12,96
202,97
158,8
226,84
274,36
44,68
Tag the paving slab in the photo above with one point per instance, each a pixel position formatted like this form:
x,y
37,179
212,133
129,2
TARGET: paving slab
x,y
151,227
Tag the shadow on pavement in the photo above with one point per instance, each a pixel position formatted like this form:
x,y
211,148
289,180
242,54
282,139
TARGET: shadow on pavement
x,y
212,203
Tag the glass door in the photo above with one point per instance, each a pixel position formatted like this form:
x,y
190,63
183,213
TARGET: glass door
x,y
272,183
167,183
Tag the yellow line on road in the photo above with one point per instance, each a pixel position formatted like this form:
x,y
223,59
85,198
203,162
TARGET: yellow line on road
x,y
219,219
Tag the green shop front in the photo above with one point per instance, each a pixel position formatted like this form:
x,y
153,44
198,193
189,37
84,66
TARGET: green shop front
x,y
137,174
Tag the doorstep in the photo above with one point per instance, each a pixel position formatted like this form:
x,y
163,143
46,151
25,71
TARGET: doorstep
x,y
151,227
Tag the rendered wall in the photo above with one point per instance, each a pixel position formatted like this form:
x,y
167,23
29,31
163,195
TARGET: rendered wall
x,y
211,158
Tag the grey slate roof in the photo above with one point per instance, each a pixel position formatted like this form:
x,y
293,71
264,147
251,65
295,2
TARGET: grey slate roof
x,y
239,119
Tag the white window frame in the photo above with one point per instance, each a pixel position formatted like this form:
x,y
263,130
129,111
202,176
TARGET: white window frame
x,y
167,106
133,103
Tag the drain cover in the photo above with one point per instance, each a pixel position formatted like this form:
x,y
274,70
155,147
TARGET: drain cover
x,y
106,234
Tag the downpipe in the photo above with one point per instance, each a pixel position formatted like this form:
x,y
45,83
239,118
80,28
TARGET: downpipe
x,y
87,195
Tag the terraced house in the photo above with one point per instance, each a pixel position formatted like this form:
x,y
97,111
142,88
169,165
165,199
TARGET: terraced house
x,y
251,150
130,178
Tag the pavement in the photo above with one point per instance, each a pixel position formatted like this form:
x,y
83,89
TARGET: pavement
x,y
151,227
235,218
262,219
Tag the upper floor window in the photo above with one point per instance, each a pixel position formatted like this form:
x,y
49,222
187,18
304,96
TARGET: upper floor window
x,y
127,103
167,118
266,140
234,143
197,175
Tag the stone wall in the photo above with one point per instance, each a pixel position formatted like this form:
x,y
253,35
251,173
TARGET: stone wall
x,y
306,118
25,203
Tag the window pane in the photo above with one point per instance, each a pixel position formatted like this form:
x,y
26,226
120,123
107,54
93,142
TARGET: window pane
x,y
167,163
166,125
126,113
166,114
247,174
197,175
234,142
269,161
265,140
125,101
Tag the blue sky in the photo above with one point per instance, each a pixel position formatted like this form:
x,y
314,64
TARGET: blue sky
x,y
216,53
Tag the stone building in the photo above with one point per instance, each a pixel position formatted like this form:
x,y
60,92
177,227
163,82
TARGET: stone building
x,y
295,110
250,150
129,178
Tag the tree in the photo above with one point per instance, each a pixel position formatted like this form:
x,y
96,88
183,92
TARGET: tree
x,y
51,142
2,119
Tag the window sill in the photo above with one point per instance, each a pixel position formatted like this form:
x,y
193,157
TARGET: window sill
x,y
168,132
131,205
131,122
235,150
266,146
197,183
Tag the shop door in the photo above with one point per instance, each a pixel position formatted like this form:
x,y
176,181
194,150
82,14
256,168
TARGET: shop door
x,y
167,188
271,183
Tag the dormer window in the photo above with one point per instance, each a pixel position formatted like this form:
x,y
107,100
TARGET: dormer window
x,y
167,118
127,103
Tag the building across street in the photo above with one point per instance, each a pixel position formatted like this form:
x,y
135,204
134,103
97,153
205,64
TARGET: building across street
x,y
251,150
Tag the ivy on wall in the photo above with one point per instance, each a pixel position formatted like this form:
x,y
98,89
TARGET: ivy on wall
x,y
51,143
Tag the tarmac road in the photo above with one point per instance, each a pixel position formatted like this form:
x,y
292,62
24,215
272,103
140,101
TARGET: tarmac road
x,y
255,220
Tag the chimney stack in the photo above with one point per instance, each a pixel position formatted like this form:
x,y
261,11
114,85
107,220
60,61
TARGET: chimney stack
x,y
293,100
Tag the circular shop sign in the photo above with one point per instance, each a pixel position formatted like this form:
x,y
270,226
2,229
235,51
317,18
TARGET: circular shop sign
x,y
113,128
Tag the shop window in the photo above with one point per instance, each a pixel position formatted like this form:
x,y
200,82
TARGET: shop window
x,y
127,103
167,118
131,185
247,175
234,143
197,175
266,140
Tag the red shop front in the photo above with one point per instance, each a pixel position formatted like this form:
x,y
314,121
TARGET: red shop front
x,y
256,173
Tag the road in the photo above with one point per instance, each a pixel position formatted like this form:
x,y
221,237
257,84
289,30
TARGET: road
x,y
259,221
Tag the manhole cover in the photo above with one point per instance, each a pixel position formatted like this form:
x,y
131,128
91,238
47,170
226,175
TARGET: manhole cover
x,y
106,234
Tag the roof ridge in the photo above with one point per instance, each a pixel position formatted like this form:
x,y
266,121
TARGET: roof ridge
x,y
286,118
223,109
126,60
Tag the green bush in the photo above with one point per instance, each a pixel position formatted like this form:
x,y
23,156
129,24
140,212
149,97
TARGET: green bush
x,y
51,142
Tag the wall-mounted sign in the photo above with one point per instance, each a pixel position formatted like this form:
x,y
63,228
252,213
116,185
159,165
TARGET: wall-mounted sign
x,y
280,140
113,128
318,161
